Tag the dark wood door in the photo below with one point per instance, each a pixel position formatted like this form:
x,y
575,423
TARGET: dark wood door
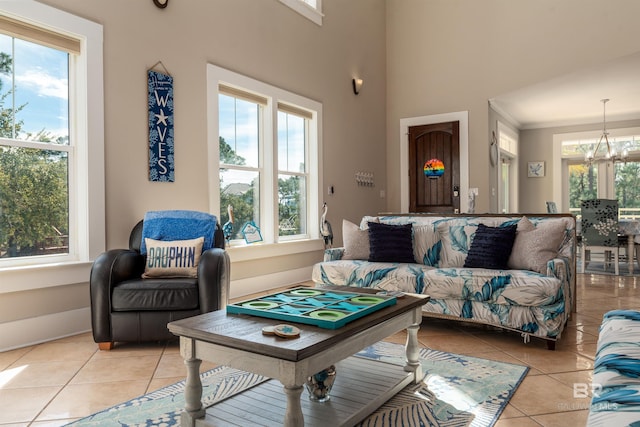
x,y
441,142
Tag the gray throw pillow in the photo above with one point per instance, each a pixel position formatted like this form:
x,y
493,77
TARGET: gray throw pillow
x,y
356,241
535,246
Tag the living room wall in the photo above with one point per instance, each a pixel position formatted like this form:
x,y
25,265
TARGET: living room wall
x,y
447,56
264,40
537,144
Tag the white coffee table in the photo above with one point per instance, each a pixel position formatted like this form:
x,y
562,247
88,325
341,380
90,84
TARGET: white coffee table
x,y
237,341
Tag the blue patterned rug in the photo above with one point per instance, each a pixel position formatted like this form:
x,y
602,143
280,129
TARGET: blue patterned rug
x,y
456,391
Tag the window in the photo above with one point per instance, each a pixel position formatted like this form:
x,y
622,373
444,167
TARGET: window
x,y
508,169
51,209
601,179
266,158
310,9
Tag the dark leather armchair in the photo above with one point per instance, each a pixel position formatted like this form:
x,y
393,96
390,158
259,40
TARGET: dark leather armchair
x,y
127,308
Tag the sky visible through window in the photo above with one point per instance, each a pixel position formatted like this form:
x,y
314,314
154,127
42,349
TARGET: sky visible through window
x,y
239,127
41,85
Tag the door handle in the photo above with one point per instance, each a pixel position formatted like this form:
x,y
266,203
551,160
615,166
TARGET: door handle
x,y
456,191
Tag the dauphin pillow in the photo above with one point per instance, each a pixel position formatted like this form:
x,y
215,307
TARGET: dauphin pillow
x,y
172,258
391,243
491,247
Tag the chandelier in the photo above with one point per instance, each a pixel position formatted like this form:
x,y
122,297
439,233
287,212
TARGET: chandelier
x,y
610,154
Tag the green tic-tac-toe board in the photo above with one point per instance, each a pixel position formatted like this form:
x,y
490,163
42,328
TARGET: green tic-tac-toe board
x,y
324,308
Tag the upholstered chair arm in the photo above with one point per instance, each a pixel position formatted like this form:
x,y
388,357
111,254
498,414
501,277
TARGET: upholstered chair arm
x,y
110,268
333,254
214,271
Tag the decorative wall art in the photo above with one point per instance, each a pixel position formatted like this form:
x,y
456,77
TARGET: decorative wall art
x,y
433,168
535,169
251,232
161,148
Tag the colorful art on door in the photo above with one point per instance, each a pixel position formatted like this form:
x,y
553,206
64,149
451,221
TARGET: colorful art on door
x,y
433,168
161,148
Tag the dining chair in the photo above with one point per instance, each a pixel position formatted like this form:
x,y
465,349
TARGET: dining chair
x,y
599,224
551,207
629,229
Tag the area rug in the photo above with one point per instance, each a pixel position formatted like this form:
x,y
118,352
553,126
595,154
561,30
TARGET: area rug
x,y
456,391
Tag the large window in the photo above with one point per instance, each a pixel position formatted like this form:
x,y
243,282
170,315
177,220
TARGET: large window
x,y
267,158
602,178
51,208
34,147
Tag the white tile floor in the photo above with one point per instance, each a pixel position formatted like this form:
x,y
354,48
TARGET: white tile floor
x,y
54,383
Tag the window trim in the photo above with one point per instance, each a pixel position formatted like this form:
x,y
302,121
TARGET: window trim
x,y
87,130
217,76
561,190
313,14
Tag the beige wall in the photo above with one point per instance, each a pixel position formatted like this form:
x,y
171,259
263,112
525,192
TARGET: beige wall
x,y
537,144
262,39
417,57
454,55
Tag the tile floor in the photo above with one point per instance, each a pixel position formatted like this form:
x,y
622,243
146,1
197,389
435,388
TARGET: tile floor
x,y
56,382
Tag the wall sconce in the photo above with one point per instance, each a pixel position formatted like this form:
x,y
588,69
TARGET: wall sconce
x,y
357,84
161,3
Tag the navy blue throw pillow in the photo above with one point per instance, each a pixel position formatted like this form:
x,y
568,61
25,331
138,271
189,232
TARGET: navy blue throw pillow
x,y
491,247
391,243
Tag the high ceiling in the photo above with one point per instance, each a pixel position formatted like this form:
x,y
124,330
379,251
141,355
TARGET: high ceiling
x,y
575,98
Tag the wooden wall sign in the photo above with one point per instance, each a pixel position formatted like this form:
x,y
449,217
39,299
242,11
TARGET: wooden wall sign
x,y
161,148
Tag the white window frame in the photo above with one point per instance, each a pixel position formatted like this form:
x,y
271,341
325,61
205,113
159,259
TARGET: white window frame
x,y
272,245
508,141
86,190
605,170
305,9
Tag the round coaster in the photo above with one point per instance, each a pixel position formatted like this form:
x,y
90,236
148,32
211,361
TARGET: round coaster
x,y
269,330
367,300
286,331
261,305
327,314
305,292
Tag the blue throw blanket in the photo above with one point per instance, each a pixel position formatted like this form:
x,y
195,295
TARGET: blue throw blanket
x,y
178,225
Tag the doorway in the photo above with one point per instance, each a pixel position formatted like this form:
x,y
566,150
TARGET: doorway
x,y
462,117
434,168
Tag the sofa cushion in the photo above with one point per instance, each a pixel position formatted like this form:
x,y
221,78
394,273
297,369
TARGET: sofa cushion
x,y
427,245
156,295
390,276
390,243
535,246
491,247
509,287
356,241
456,236
176,258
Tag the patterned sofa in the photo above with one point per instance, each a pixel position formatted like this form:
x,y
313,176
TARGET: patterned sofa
x,y
616,374
532,293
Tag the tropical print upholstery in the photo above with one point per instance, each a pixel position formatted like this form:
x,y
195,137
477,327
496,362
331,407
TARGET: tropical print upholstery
x,y
526,301
616,372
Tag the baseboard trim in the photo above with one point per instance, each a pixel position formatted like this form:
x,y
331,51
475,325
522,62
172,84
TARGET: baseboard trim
x,y
36,330
242,287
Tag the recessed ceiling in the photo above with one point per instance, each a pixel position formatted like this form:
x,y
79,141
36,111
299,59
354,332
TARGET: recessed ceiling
x,y
575,98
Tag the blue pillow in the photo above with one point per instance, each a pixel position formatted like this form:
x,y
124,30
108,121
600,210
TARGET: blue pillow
x,y
390,243
491,247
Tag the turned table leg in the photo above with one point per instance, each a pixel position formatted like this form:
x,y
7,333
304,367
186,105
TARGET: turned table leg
x,y
413,353
192,394
293,417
